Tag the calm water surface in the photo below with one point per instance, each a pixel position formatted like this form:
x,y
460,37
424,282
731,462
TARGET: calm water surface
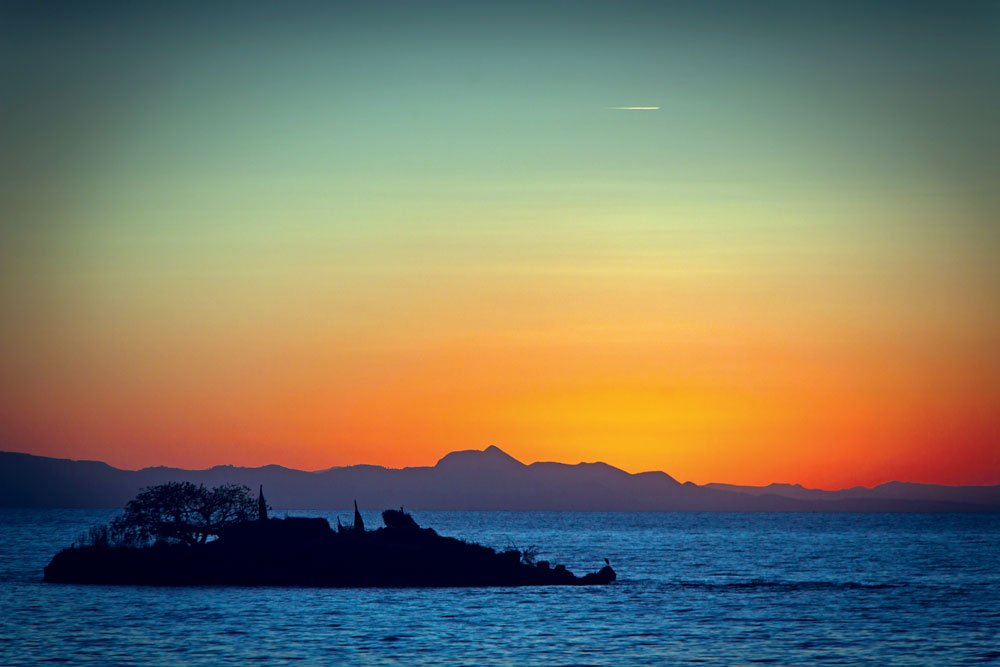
x,y
693,589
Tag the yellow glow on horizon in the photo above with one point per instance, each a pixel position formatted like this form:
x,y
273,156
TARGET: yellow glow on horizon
x,y
282,245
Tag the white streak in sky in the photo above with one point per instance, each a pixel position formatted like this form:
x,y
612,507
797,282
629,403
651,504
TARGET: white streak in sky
x,y
635,108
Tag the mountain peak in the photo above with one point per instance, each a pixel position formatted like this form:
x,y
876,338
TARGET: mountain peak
x,y
487,479
492,456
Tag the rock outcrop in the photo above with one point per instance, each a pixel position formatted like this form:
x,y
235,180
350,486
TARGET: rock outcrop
x,y
299,551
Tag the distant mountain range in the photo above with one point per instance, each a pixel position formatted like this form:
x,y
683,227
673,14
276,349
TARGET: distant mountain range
x,y
471,480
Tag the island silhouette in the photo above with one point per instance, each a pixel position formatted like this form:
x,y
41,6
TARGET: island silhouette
x,y
471,480
181,534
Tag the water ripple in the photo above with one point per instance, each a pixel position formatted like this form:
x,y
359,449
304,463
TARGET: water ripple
x,y
695,589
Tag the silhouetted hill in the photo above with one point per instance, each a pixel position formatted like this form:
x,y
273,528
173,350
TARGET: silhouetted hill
x,y
306,551
470,480
890,492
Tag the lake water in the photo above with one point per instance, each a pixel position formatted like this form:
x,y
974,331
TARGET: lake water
x,y
902,589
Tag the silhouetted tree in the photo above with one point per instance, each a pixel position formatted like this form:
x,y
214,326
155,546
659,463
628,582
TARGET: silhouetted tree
x,y
97,536
359,522
183,512
399,519
529,555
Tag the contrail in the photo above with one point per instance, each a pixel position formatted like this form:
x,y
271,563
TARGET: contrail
x,y
635,108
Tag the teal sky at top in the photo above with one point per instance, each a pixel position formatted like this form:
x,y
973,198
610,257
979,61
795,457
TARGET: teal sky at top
x,y
150,144
287,201
428,102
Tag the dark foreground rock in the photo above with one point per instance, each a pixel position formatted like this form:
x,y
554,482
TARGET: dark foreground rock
x,y
307,552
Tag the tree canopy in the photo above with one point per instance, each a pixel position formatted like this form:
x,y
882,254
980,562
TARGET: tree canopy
x,y
183,512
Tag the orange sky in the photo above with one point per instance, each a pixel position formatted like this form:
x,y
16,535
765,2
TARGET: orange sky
x,y
725,398
276,240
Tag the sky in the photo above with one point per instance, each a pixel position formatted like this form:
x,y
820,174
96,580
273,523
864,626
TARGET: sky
x,y
321,234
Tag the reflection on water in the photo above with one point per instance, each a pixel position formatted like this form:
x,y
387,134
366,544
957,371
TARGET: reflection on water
x,y
716,588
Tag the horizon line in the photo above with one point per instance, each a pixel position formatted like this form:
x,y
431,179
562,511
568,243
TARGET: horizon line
x,y
495,447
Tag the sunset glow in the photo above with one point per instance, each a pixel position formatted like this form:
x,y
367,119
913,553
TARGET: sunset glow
x,y
789,273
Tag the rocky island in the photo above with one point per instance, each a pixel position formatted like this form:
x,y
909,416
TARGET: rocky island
x,y
172,536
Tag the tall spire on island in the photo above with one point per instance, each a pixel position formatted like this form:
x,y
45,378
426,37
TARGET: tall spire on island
x,y
261,505
359,523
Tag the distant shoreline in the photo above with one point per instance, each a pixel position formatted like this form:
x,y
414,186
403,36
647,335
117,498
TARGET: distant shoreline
x,y
472,480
